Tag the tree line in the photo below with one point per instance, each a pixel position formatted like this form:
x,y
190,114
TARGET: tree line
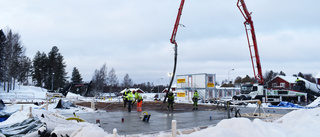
x,y
47,70
14,65
105,81
268,76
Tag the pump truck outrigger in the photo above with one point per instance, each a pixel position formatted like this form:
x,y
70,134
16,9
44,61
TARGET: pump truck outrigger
x,y
258,90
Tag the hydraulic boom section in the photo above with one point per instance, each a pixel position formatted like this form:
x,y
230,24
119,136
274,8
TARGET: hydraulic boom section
x,y
173,41
252,42
175,29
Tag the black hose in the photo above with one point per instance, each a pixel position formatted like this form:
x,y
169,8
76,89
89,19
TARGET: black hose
x,y
174,71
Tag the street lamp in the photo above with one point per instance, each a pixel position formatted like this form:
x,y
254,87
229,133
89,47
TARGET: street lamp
x,y
170,76
52,82
159,84
228,75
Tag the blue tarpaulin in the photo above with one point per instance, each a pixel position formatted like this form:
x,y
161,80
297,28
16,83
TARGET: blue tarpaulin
x,y
286,104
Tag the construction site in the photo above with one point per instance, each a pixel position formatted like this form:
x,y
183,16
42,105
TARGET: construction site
x,y
199,106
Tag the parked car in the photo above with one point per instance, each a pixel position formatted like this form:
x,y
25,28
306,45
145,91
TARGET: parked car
x,y
225,99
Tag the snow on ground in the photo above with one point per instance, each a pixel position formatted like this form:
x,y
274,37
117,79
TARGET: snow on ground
x,y
300,122
315,103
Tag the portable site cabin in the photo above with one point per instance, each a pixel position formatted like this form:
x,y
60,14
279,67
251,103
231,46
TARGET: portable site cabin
x,y
226,92
204,83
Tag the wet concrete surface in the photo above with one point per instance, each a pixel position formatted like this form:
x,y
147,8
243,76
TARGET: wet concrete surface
x,y
281,111
161,121
158,121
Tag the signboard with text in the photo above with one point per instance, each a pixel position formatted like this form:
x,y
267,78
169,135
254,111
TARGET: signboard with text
x,y
181,94
181,80
210,84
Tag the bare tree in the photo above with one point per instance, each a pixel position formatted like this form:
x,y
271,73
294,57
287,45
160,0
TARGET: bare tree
x,y
269,75
99,79
127,81
112,78
13,52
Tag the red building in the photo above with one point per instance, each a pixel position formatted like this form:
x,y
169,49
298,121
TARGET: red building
x,y
166,89
318,78
282,82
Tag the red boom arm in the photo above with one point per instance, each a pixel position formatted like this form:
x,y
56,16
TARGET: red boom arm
x,y
175,29
255,59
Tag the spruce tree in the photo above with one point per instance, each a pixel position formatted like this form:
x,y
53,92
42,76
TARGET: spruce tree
x,y
76,76
56,77
2,42
40,68
25,68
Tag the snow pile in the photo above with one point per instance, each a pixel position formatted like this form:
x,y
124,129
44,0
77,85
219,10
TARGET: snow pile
x,y
240,127
56,124
15,118
315,103
62,127
304,122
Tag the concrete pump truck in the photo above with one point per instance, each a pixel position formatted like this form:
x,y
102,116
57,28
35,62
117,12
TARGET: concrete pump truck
x,y
258,90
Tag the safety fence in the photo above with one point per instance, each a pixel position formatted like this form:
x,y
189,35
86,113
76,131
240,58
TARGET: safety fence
x,y
17,95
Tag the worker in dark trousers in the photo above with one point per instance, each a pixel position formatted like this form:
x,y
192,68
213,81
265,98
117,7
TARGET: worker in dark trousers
x,y
195,100
124,99
135,94
129,100
170,101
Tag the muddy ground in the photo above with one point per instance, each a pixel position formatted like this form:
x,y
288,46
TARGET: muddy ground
x,y
147,106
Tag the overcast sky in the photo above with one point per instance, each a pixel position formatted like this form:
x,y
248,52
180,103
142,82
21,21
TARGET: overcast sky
x,y
133,36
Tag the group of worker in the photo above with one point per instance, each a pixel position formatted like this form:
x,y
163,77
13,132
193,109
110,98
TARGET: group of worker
x,y
130,98
195,99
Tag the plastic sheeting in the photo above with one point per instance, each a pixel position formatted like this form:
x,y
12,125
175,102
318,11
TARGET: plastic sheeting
x,y
5,115
64,104
24,127
287,105
2,105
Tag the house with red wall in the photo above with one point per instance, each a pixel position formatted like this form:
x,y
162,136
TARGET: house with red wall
x,y
282,82
318,78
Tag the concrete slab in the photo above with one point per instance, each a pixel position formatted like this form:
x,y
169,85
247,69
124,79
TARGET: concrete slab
x,y
161,121
158,121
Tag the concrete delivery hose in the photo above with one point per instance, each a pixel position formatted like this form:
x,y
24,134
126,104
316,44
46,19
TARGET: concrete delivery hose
x,y
174,71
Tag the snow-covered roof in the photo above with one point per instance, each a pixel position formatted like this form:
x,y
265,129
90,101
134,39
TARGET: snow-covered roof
x,y
318,75
290,79
108,94
131,89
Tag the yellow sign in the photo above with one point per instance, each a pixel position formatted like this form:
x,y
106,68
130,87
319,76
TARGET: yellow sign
x,y
181,94
210,85
181,80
